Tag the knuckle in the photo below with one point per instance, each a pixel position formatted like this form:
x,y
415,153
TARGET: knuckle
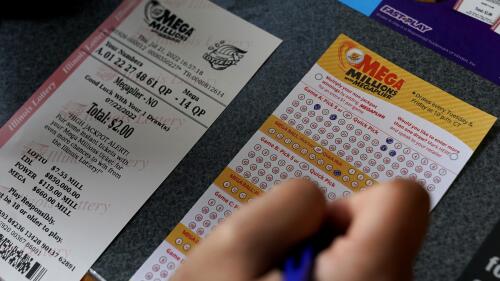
x,y
230,234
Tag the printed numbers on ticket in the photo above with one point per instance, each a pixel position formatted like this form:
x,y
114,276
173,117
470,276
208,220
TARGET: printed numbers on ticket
x,y
82,155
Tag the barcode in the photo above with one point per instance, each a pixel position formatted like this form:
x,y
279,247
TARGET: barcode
x,y
19,260
36,272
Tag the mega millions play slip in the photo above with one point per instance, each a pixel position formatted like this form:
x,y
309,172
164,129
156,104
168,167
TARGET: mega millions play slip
x,y
354,119
101,134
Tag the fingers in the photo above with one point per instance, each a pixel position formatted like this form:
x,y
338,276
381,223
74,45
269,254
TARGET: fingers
x,y
385,228
248,244
389,214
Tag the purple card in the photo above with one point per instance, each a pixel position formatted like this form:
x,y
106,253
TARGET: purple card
x,y
466,38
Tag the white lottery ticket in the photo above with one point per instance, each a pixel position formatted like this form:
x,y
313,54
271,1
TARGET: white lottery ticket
x,y
102,133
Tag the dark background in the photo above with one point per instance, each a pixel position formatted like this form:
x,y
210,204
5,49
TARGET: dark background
x,y
36,36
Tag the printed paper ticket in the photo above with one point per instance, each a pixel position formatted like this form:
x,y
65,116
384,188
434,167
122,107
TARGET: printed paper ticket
x,y
354,119
101,134
487,11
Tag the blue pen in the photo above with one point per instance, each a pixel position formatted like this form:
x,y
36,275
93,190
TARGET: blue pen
x,y
299,267
299,264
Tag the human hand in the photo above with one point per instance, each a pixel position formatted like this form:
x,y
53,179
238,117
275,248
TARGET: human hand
x,y
383,229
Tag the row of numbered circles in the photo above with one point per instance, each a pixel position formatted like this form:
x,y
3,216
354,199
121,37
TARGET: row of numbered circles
x,y
381,157
208,212
264,167
163,265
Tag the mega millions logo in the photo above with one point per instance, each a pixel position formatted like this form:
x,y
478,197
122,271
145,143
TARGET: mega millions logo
x,y
355,56
222,55
165,23
366,72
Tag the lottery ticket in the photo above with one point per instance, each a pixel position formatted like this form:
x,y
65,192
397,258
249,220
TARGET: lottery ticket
x,y
487,11
100,135
354,119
